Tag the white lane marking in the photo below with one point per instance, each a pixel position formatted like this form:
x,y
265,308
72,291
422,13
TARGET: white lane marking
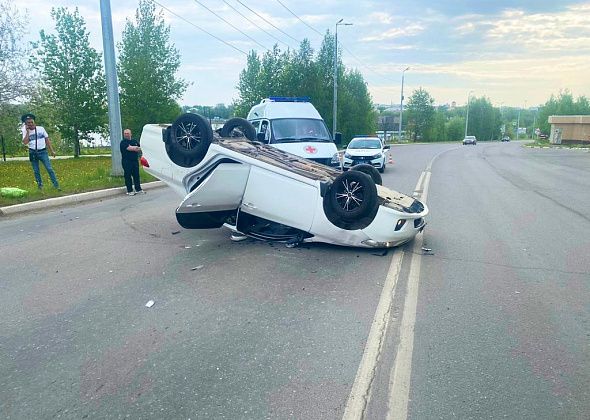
x,y
401,372
418,188
360,392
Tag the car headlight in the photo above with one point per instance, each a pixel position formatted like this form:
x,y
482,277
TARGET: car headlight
x,y
377,156
335,158
347,156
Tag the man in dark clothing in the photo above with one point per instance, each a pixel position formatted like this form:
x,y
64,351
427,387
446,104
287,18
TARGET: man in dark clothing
x,y
130,151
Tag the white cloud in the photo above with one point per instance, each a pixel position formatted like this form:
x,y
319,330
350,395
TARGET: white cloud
x,y
397,32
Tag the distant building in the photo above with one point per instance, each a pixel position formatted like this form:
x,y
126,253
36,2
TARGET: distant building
x,y
569,129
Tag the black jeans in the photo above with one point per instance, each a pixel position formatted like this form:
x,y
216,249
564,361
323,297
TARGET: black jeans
x,y
131,170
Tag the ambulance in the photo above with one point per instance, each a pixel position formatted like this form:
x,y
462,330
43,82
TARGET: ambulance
x,y
295,126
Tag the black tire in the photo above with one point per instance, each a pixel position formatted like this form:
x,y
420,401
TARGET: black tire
x,y
189,139
352,195
238,127
369,170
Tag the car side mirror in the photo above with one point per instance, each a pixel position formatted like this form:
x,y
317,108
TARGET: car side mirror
x,y
386,147
260,137
338,138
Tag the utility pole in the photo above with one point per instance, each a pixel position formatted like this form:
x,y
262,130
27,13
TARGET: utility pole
x,y
335,110
518,121
115,129
401,105
467,116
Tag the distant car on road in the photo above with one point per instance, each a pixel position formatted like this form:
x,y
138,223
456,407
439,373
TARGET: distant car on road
x,y
470,140
365,150
505,138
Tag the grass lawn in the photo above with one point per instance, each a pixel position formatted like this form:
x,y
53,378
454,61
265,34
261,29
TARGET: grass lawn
x,y
74,176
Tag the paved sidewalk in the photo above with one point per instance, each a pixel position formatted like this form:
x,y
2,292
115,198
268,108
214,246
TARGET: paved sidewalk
x,y
72,199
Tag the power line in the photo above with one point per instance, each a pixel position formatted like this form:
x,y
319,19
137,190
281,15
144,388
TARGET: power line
x,y
255,24
343,47
237,29
270,23
199,28
366,66
301,20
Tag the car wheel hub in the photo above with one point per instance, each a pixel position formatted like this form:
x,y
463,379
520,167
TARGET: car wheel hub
x,y
351,197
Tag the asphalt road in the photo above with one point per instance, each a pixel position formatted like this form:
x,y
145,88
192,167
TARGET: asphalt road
x,y
256,330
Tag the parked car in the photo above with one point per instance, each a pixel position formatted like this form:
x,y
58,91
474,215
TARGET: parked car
x,y
267,193
365,150
505,138
470,140
295,126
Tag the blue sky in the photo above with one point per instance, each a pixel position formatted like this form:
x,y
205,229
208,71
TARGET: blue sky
x,y
516,53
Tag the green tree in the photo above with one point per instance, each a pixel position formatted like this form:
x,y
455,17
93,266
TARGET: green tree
x,y
484,119
304,73
248,85
10,128
563,104
324,97
438,130
15,78
72,78
455,128
300,73
420,114
355,107
147,68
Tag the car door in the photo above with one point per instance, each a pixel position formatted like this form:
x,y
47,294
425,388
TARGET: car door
x,y
218,188
279,198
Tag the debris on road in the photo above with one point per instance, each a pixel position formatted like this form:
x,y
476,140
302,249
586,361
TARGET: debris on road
x,y
381,253
198,267
150,303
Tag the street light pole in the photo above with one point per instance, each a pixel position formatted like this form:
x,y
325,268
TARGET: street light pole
x,y
467,116
114,110
401,105
335,110
518,121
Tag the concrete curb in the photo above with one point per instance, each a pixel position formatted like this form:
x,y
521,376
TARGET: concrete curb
x,y
72,199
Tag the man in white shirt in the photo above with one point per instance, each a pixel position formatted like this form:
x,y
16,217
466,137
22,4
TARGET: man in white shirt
x,y
37,139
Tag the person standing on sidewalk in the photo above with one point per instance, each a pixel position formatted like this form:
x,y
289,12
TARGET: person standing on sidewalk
x,y
130,151
37,140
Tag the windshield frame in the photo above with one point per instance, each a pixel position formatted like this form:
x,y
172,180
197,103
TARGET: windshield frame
x,y
364,141
296,130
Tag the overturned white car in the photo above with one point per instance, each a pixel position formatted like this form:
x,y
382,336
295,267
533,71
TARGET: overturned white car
x,y
229,179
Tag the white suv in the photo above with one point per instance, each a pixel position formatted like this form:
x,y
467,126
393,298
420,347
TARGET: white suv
x,y
267,193
470,140
365,150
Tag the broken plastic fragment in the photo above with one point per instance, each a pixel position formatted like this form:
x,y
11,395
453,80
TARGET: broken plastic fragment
x,y
198,267
150,303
